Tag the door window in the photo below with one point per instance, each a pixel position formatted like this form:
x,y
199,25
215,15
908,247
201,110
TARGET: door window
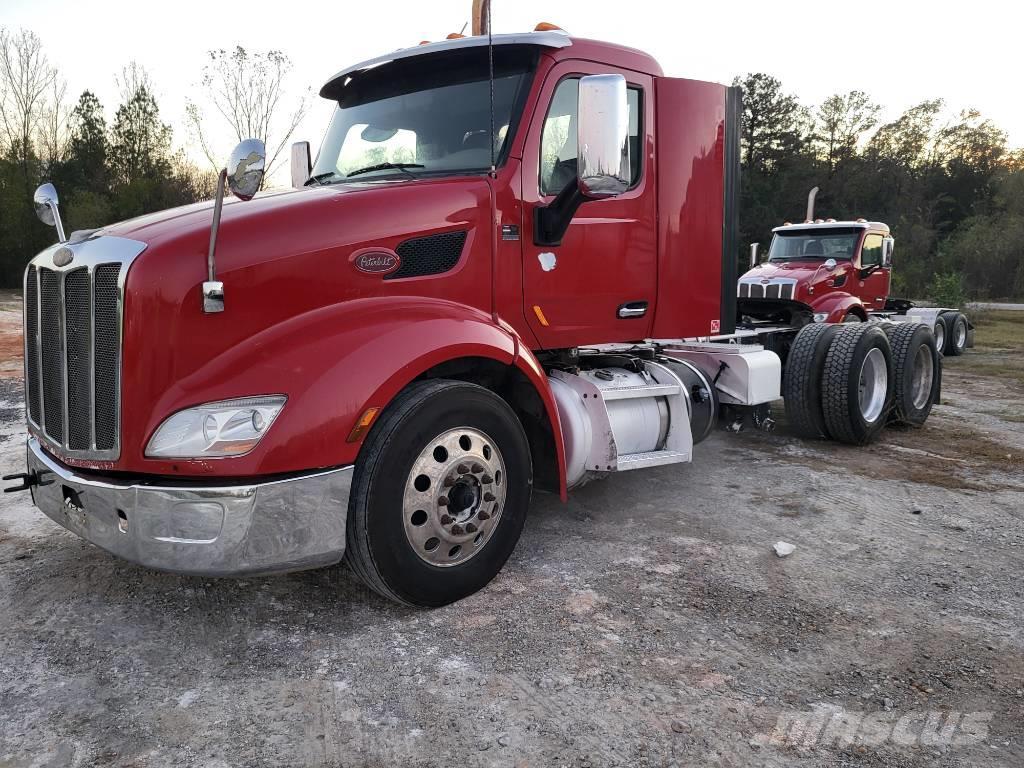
x,y
871,251
558,150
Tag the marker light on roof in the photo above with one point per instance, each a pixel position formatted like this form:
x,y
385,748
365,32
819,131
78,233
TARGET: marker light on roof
x,y
787,223
547,26
819,221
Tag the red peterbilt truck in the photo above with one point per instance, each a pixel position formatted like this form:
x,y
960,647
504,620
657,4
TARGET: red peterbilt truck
x,y
510,264
839,272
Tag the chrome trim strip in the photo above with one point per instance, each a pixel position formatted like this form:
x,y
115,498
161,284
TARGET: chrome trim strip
x,y
92,252
64,360
92,360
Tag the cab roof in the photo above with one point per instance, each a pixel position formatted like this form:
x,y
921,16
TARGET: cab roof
x,y
817,226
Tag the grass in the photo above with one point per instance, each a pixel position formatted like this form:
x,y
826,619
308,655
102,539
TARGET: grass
x,y
999,329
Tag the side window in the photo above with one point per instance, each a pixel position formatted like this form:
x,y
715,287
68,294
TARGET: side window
x,y
871,251
558,151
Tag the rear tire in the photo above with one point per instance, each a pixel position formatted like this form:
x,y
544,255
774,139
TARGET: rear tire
x,y
956,333
439,495
917,367
939,331
857,384
801,386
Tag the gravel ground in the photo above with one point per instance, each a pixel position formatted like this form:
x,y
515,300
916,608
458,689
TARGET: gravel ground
x,y
646,623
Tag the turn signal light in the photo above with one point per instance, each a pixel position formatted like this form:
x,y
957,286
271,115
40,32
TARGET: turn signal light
x,y
364,423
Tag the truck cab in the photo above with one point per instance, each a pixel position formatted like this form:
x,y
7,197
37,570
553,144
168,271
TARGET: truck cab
x,y
840,270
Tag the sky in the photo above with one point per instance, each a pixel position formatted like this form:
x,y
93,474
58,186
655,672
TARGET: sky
x,y
900,52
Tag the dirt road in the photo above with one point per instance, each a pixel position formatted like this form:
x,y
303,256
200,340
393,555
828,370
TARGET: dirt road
x,y
646,623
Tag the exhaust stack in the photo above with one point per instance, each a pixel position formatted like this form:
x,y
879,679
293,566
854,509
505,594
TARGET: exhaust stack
x,y
481,17
810,205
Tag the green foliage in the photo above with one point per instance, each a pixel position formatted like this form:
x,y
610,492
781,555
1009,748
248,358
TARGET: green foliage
x,y
947,289
949,188
103,172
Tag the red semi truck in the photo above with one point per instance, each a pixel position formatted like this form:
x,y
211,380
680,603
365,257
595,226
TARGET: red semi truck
x,y
839,272
513,263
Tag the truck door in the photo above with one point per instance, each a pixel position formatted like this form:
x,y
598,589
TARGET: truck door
x,y
599,285
874,289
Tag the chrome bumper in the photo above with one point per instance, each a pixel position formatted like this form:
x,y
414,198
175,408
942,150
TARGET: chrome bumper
x,y
282,525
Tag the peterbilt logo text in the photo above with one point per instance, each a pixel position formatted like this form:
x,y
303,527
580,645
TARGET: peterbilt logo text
x,y
376,262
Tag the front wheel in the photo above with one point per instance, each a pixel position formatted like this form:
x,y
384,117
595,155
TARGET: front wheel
x,y
439,495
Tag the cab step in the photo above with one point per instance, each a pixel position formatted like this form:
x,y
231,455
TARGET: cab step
x,y
648,390
651,459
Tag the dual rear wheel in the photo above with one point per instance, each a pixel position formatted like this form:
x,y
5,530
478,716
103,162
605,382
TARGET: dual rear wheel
x,y
845,382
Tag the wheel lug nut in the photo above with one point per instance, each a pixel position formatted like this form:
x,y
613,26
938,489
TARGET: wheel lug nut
x,y
462,469
481,515
478,468
442,501
449,482
486,479
489,496
457,530
470,528
446,520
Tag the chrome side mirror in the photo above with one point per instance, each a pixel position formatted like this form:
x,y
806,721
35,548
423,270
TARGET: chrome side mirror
x,y
246,168
302,164
887,247
244,176
46,204
603,137
753,254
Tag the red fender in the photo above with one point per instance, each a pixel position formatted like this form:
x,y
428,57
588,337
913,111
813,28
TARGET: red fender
x,y
333,363
837,305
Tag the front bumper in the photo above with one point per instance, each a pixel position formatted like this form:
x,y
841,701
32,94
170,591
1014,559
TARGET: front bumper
x,y
270,527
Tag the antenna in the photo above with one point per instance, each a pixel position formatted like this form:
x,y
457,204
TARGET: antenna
x,y
490,65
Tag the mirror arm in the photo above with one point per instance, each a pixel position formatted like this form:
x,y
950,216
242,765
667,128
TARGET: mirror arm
x,y
551,221
213,291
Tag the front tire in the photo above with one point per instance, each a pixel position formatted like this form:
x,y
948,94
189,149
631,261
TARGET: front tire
x,y
440,494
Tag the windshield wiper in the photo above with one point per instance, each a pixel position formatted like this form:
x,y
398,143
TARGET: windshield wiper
x,y
404,167
320,178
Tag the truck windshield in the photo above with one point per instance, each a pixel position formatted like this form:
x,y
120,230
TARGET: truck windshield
x,y
425,115
838,244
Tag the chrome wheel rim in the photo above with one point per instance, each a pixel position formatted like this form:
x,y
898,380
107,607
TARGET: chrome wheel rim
x,y
454,496
940,335
960,335
921,380
873,385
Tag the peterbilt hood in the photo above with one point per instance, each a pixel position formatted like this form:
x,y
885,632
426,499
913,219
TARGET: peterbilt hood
x,y
282,257
804,274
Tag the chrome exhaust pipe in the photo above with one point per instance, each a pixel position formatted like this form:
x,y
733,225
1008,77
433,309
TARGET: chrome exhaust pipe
x,y
810,205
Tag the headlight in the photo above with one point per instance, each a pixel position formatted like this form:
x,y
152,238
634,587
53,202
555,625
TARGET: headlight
x,y
225,428
820,317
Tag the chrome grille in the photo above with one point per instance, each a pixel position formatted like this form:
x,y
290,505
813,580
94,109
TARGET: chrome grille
x,y
72,356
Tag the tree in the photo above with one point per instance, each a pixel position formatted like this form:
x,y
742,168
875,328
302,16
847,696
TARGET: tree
x,y
140,144
26,79
842,121
248,91
773,121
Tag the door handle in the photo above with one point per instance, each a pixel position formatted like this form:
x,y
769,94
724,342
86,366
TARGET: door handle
x,y
632,309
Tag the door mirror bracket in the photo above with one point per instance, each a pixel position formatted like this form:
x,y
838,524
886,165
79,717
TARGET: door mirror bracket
x,y
551,221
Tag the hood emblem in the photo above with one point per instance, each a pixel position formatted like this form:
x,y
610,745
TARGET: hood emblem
x,y
376,261
62,257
